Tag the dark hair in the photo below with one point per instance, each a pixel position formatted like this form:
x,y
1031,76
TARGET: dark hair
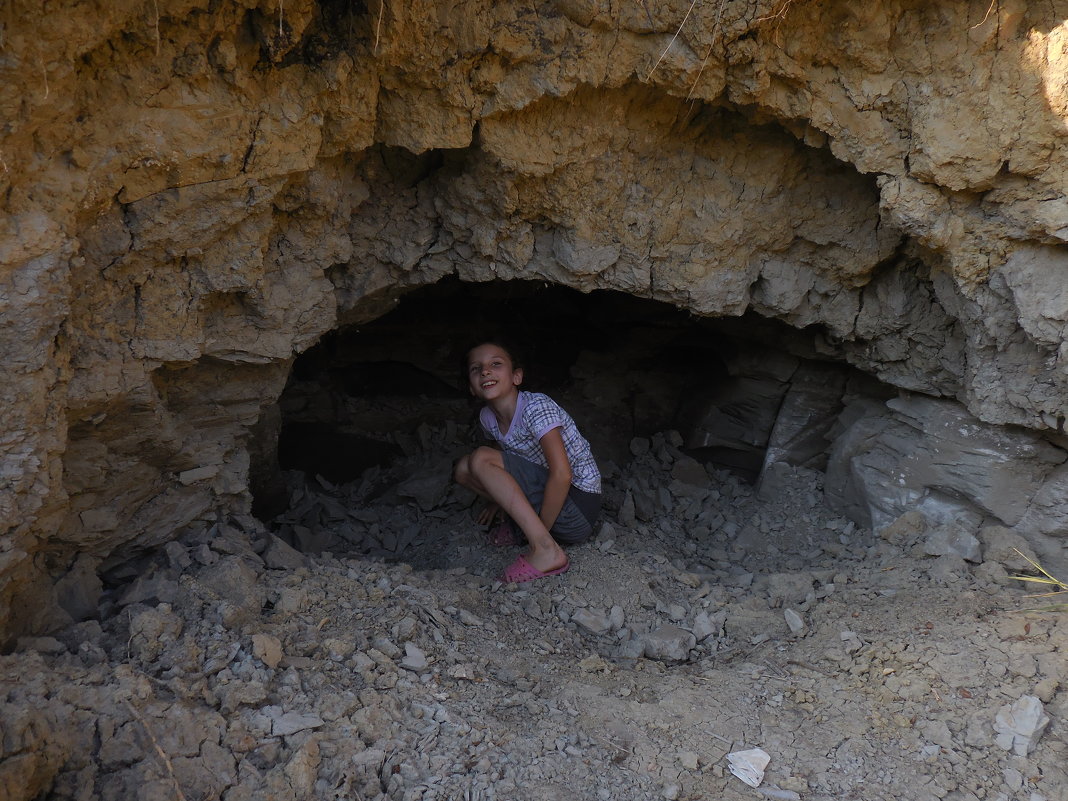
x,y
505,344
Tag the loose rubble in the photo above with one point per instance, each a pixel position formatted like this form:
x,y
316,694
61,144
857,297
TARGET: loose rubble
x,y
383,660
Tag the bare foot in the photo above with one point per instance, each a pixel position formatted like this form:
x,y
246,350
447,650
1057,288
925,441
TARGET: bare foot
x,y
546,559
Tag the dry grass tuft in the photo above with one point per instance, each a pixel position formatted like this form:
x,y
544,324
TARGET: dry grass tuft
x,y
778,14
1047,579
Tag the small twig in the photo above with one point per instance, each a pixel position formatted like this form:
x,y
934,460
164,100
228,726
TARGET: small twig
x,y
754,675
807,666
155,8
378,25
673,38
779,14
281,3
159,750
985,16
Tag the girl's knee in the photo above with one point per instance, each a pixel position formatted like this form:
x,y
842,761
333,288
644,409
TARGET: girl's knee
x,y
461,471
483,457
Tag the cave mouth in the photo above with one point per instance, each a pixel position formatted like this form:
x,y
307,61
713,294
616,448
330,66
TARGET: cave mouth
x,y
374,416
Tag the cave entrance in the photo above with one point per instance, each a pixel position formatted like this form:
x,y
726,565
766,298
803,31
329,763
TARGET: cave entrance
x,y
374,416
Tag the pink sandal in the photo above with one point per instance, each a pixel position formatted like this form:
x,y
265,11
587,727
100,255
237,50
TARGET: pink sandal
x,y
521,570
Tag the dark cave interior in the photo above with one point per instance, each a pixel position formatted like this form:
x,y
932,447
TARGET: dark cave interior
x,y
623,366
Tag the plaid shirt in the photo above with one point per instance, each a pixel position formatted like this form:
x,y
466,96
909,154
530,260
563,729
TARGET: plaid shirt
x,y
535,415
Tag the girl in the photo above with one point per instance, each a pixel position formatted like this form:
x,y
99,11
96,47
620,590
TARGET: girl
x,y
544,478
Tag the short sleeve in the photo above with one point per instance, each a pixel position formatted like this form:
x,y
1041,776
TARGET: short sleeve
x,y
543,416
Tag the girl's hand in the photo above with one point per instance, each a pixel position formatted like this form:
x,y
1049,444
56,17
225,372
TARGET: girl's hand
x,y
490,513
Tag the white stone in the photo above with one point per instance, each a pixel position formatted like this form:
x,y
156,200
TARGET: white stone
x,y
1020,725
414,658
283,724
794,621
187,477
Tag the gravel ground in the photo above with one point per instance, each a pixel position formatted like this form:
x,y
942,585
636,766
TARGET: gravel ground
x,y
702,620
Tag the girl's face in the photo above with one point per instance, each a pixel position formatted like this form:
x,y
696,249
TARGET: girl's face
x,y
490,373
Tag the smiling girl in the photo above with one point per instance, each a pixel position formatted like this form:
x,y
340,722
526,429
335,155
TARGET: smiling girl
x,y
543,478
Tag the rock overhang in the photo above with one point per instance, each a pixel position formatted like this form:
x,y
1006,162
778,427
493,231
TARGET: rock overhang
x,y
234,206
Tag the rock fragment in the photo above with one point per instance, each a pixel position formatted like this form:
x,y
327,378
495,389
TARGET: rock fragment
x,y
688,759
669,643
953,539
794,621
1019,725
1007,548
285,723
690,471
268,649
414,658
705,625
592,620
279,555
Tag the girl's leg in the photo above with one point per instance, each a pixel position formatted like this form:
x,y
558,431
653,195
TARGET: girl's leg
x,y
463,476
483,471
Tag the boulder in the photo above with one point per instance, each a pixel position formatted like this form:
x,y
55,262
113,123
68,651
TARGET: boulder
x,y
1048,511
998,469
933,454
809,410
732,422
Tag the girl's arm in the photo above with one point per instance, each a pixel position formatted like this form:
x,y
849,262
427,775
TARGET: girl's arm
x,y
552,444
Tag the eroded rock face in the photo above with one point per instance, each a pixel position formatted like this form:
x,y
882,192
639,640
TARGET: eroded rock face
x,y
189,200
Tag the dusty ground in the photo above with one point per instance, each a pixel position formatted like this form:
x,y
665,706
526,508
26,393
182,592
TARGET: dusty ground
x,y
237,668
